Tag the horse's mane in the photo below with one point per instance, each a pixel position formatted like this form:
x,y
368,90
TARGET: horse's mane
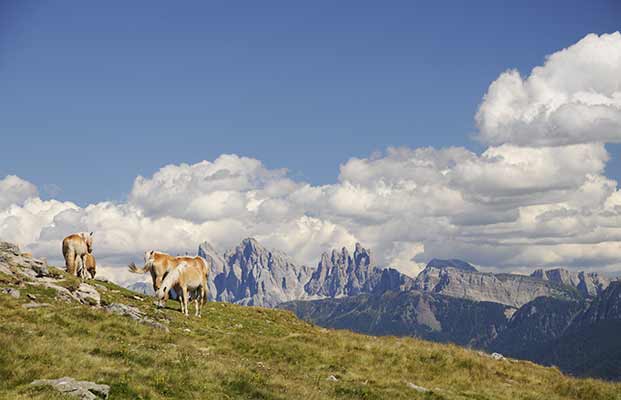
x,y
172,277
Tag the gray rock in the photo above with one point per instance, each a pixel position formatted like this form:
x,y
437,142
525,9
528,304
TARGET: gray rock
x,y
14,262
135,314
124,309
417,388
497,356
41,268
332,378
87,294
35,305
83,390
11,292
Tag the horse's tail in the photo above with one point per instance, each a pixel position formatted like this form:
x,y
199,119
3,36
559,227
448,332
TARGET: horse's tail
x,y
171,279
138,270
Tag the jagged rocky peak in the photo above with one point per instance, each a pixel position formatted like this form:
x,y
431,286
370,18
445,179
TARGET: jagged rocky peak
x,y
451,263
253,275
339,274
587,283
362,256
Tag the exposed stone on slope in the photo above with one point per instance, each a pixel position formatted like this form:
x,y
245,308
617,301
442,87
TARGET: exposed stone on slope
x,y
11,292
83,390
135,314
35,272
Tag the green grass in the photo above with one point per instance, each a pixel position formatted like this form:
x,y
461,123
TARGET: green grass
x,y
237,352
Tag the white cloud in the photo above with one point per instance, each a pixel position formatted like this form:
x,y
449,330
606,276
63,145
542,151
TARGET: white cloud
x,y
14,190
575,97
515,206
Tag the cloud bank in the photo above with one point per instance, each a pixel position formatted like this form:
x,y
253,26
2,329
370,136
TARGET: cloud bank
x,y
536,197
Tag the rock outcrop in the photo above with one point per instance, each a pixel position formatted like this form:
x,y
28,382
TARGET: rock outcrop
x,y
82,390
135,314
35,272
587,283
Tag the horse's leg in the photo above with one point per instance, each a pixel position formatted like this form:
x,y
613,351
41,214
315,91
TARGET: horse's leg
x,y
185,299
157,283
203,297
78,265
83,273
197,296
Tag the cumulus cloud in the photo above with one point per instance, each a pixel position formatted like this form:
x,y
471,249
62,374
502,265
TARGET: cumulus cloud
x,y
515,206
575,97
14,190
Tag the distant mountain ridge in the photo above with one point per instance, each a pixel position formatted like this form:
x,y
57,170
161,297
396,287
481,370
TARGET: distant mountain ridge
x,y
509,289
553,317
588,283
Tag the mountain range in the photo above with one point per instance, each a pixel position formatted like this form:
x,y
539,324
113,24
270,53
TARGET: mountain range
x,y
553,317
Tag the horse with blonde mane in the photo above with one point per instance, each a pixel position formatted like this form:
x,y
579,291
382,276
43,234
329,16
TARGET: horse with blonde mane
x,y
160,264
184,279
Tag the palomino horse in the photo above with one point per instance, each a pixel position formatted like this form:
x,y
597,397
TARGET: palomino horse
x,y
160,264
75,249
89,268
184,279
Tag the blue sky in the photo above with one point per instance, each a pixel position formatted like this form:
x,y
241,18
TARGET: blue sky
x,y
93,94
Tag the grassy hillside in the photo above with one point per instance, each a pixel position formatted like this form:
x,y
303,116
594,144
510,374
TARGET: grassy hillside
x,y
237,352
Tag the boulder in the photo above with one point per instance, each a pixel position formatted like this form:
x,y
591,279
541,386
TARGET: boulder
x,y
11,292
83,390
135,314
87,294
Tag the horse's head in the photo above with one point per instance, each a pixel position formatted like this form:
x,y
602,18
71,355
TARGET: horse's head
x,y
161,292
149,257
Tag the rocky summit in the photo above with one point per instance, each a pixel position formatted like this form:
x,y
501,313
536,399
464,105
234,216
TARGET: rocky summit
x,y
250,274
341,274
